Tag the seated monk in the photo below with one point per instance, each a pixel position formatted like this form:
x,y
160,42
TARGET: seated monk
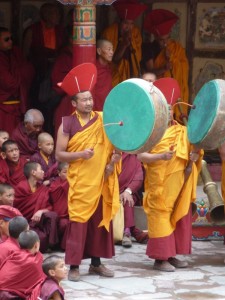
x,y
16,226
32,199
21,273
7,194
59,199
11,166
26,133
46,157
6,213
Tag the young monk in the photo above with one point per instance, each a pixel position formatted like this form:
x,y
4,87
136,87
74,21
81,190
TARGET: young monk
x,y
21,273
59,199
46,157
11,166
4,136
55,270
32,199
6,213
7,194
16,226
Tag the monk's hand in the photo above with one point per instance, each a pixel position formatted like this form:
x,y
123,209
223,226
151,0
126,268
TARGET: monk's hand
x,y
127,197
116,157
194,156
87,153
109,168
37,216
167,155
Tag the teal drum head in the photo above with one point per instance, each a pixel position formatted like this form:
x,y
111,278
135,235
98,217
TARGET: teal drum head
x,y
129,103
201,118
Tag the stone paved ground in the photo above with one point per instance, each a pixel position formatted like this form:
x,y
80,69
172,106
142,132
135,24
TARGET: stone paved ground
x,y
136,280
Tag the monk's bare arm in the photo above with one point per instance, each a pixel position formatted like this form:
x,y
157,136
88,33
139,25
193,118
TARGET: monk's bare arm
x,y
56,296
63,155
149,157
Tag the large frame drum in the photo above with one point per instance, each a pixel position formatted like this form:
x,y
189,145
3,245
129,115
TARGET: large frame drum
x,y
143,111
206,123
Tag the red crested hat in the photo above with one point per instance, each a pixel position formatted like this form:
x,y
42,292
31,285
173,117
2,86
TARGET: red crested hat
x,y
81,78
129,10
160,21
170,89
7,211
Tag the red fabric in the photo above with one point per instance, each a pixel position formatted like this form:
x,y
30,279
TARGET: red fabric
x,y
129,10
10,117
58,193
81,78
160,21
103,85
22,274
27,145
86,240
11,174
7,248
28,202
170,89
9,211
50,169
179,242
49,287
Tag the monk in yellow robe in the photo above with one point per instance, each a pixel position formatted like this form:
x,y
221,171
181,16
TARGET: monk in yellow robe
x,y
127,40
171,175
93,197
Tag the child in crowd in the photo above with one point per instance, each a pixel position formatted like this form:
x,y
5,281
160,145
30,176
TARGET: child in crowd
x,y
21,273
7,194
11,166
46,157
58,193
16,226
6,213
4,136
148,76
55,270
32,199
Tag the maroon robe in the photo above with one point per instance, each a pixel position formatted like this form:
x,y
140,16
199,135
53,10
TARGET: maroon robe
x,y
49,287
15,81
61,67
7,248
12,174
103,85
27,145
176,243
22,274
131,177
50,169
29,203
58,193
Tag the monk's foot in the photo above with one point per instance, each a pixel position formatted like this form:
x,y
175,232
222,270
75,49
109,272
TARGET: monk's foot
x,y
126,241
140,236
74,274
163,265
101,270
177,263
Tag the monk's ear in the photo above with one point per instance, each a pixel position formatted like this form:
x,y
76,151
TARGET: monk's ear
x,y
1,223
3,155
74,103
51,272
99,51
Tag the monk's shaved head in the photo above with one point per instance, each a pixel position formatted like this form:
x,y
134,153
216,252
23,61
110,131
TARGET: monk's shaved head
x,y
33,115
44,136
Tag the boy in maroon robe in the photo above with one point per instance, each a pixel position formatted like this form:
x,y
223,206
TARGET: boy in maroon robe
x,y
10,245
32,199
55,270
21,273
26,133
7,194
46,157
58,193
6,213
11,167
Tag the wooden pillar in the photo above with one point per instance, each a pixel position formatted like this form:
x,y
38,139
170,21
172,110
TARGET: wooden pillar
x,y
84,34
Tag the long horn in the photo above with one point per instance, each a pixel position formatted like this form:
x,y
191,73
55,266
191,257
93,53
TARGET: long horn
x,y
216,202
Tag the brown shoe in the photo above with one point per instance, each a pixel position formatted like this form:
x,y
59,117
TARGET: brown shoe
x,y
101,270
126,241
177,263
74,274
163,265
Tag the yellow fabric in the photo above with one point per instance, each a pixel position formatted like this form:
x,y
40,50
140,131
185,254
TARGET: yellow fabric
x,y
86,177
122,71
164,203
46,159
180,68
82,122
11,102
223,180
